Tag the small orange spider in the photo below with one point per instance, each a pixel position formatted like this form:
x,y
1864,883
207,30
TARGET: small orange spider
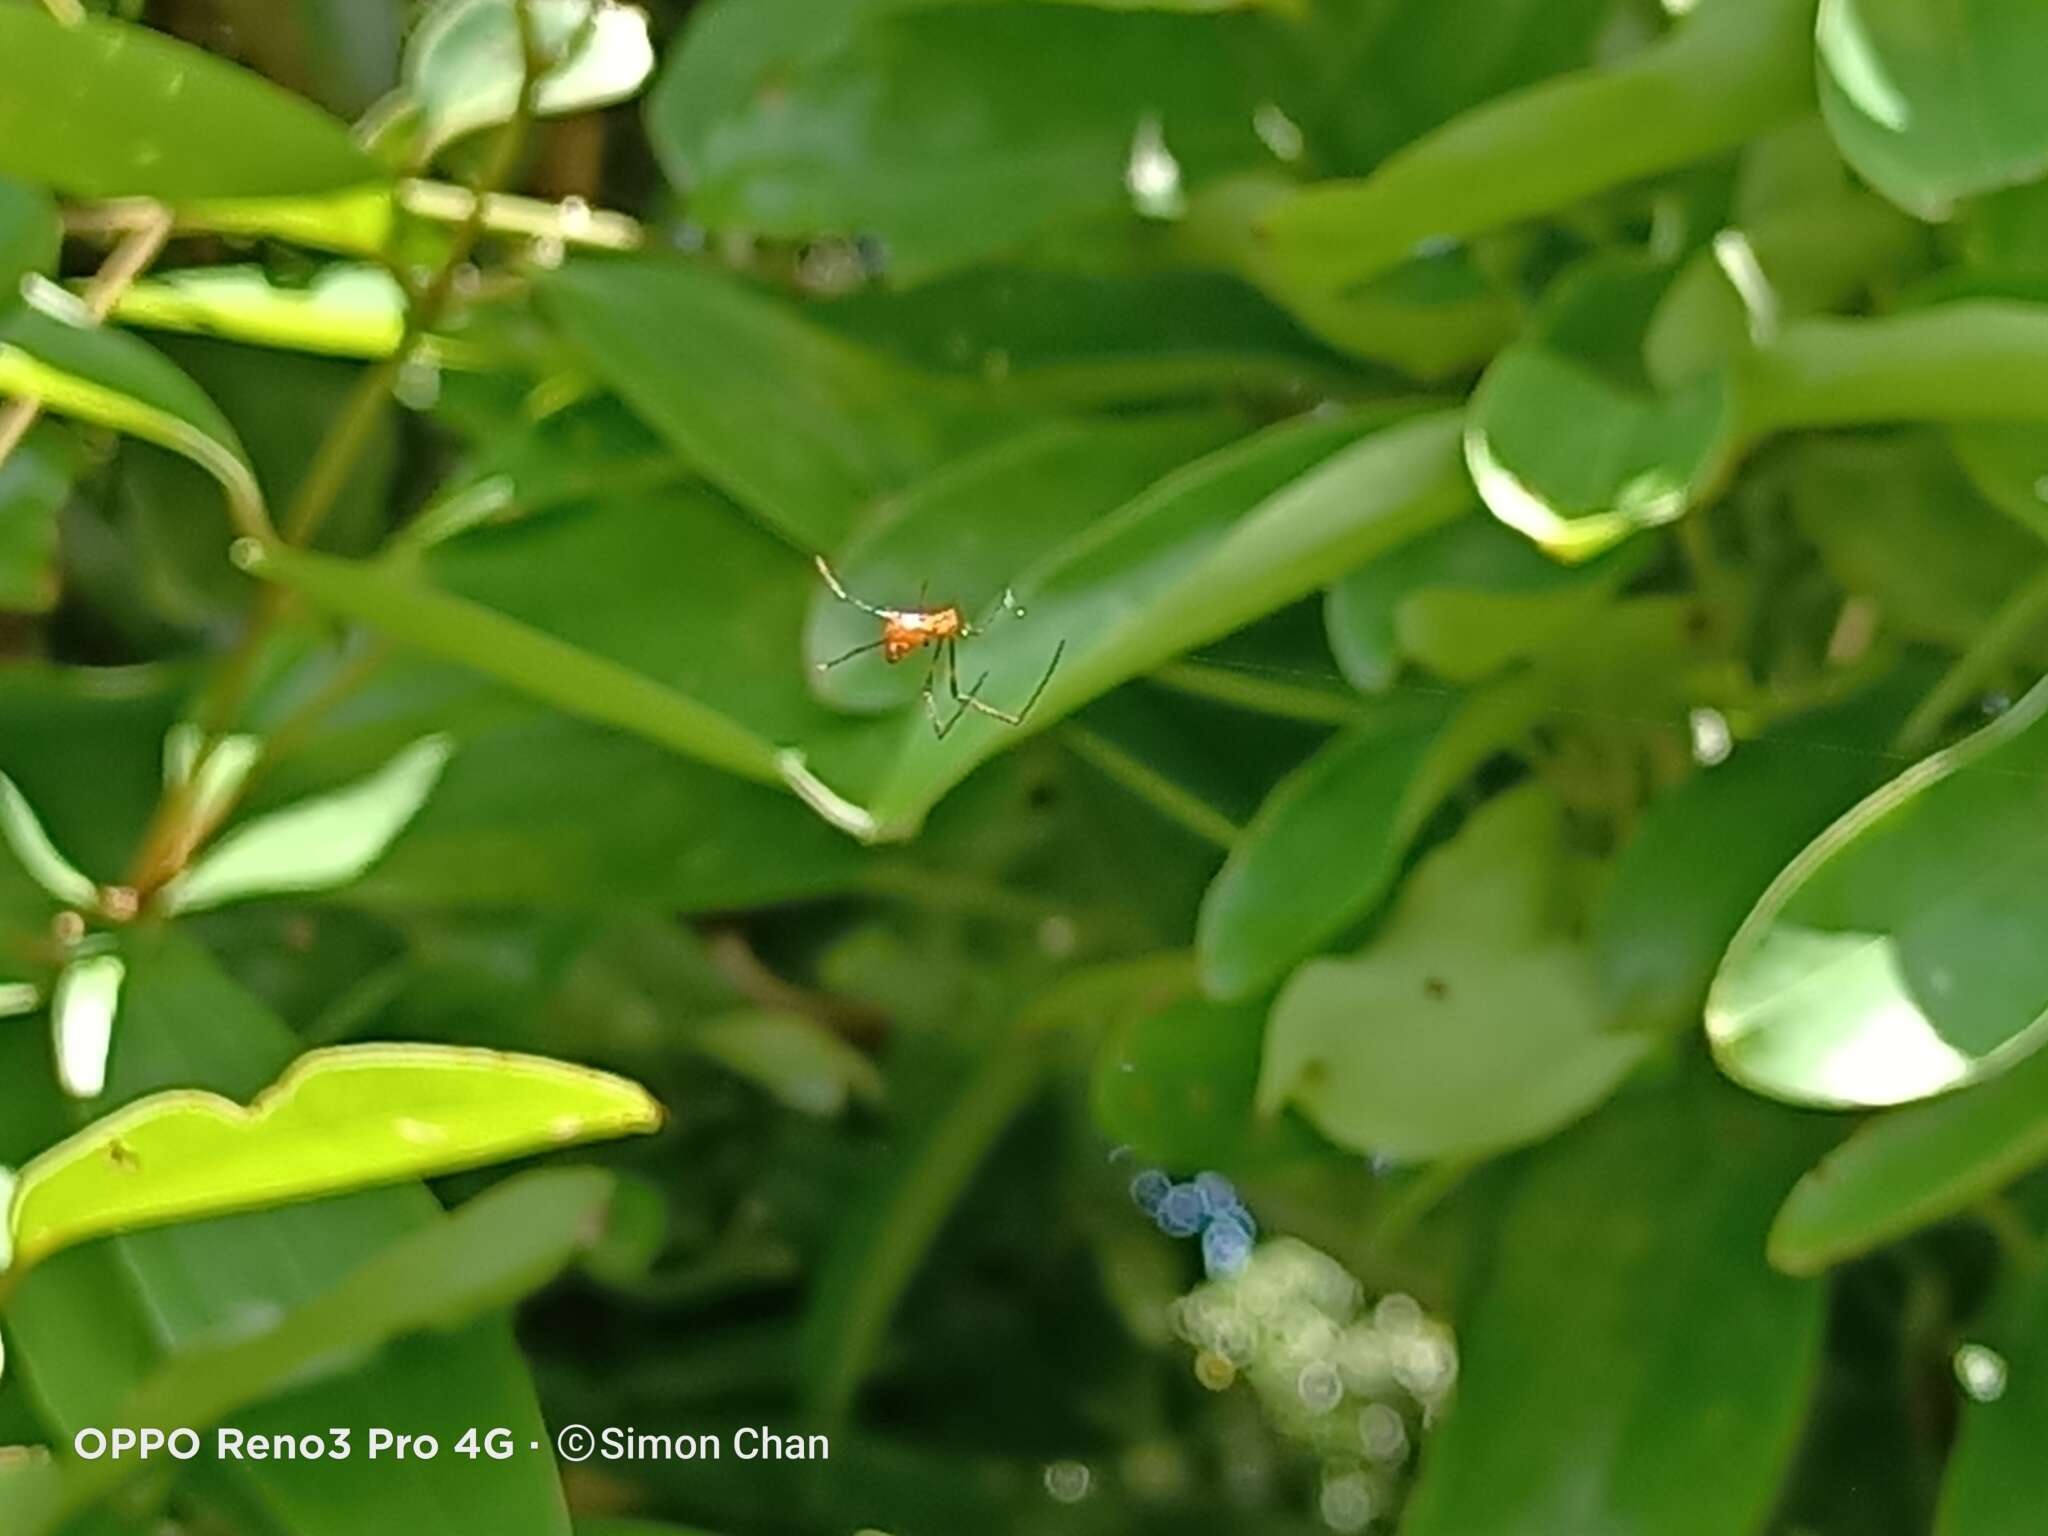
x,y
908,630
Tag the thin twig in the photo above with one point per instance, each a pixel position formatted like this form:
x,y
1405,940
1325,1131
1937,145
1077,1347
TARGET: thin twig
x,y
127,262
2022,618
1181,806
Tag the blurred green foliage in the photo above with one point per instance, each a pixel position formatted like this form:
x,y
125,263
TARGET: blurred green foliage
x,y
1496,990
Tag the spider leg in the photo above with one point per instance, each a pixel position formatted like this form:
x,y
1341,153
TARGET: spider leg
x,y
941,728
841,593
964,700
1005,604
972,699
858,650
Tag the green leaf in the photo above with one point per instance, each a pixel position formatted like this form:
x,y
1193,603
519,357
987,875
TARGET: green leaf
x,y
1968,359
1567,441
1819,254
1385,74
564,675
1891,959
502,1245
112,380
316,845
799,426
2008,464
1896,523
1738,67
1704,852
1327,843
91,1323
1470,1023
1220,542
1931,101
1435,314
109,109
1088,339
345,311
344,1118
1020,501
1464,600
949,132
1992,1485
886,1236
35,482
464,63
1630,1363
1915,1166
1202,6
668,833
794,1057
1175,1082
30,236
52,719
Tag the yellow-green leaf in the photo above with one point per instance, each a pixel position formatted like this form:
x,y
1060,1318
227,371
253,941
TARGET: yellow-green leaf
x,y
339,1119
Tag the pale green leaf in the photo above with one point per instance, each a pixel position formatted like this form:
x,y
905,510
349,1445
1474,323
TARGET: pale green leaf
x,y
799,1060
82,1009
1470,1023
37,854
464,63
316,845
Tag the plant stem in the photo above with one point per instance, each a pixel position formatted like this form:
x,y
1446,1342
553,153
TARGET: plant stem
x,y
2022,618
1223,684
2016,1240
1176,804
1417,1198
173,836
127,262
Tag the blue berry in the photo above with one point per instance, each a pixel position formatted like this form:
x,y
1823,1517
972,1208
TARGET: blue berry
x,y
1180,1213
1148,1189
1218,1193
1226,1246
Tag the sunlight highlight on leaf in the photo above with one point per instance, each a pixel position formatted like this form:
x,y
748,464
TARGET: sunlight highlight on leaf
x,y
1895,957
463,63
82,1011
